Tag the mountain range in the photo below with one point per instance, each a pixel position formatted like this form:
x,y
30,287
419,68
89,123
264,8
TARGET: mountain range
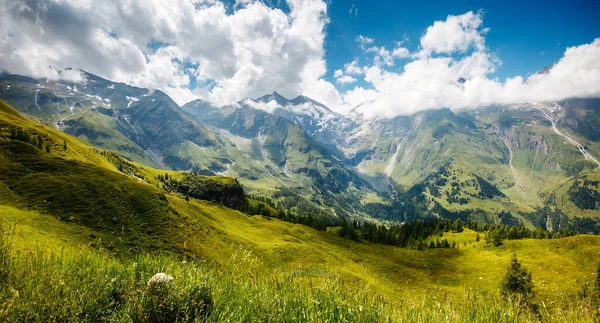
x,y
531,163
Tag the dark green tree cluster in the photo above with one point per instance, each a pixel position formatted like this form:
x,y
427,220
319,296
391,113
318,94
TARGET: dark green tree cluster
x,y
124,165
441,244
584,225
584,197
412,234
264,199
496,233
24,136
394,212
487,190
230,194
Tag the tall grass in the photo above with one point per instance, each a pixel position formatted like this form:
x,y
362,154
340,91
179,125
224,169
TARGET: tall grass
x,y
92,286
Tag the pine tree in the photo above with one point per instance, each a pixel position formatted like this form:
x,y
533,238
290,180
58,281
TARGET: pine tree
x,y
496,238
517,282
64,144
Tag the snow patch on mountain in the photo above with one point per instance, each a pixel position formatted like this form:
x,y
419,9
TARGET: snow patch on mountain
x,y
131,99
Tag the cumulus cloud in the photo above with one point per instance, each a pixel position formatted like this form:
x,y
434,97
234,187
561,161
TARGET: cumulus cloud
x,y
452,68
455,34
345,79
364,41
251,50
202,49
345,76
352,68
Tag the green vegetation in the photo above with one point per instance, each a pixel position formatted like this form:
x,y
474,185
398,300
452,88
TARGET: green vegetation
x,y
88,229
517,282
226,191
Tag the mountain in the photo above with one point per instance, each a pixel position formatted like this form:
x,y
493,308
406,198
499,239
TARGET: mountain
x,y
321,123
270,155
526,163
72,210
534,164
485,164
304,166
144,125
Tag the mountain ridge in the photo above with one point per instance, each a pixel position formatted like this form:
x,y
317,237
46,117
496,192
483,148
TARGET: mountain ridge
x,y
343,163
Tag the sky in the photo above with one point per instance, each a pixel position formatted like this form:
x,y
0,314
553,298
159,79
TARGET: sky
x,y
386,57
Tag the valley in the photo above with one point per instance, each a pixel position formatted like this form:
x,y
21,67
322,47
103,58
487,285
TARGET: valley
x,y
276,229
315,161
273,143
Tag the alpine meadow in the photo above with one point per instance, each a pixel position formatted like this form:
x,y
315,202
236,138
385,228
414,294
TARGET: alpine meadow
x,y
299,161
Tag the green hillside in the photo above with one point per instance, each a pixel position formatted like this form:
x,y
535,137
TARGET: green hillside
x,y
440,160
306,170
269,154
81,216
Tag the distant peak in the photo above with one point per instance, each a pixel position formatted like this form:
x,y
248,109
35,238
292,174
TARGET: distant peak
x,y
280,99
304,99
278,96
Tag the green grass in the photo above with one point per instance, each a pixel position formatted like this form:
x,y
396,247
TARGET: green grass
x,y
83,286
75,223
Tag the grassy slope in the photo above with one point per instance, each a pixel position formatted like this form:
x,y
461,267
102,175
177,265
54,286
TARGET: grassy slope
x,y
275,248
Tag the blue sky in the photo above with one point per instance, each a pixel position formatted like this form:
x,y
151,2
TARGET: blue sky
x,y
519,30
454,54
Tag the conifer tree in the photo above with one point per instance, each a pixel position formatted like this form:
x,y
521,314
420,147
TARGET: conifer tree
x,y
517,282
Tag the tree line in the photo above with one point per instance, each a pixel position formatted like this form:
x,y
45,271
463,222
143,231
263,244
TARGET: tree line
x,y
17,133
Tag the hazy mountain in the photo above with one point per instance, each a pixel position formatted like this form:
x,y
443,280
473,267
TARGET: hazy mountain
x,y
530,163
268,153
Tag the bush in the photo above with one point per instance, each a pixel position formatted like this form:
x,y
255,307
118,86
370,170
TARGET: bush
x,y
163,303
517,282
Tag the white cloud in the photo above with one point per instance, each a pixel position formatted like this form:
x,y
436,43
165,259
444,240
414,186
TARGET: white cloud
x,y
353,11
254,49
345,76
400,52
363,41
431,79
346,79
455,34
352,68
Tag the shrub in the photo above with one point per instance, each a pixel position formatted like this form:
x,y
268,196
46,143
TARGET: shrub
x,y
517,282
164,303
